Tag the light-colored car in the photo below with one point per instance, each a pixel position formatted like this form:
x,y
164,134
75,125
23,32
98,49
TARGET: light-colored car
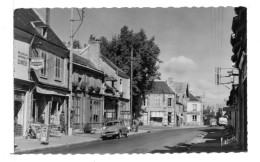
x,y
114,129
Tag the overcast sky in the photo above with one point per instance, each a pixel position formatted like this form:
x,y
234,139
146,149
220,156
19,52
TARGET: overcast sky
x,y
193,41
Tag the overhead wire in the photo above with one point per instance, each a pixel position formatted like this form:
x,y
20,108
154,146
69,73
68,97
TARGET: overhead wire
x,y
102,24
96,24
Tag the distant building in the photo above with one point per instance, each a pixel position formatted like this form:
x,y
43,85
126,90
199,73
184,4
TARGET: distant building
x,y
194,111
158,107
182,93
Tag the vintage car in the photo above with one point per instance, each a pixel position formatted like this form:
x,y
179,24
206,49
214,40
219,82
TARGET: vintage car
x,y
222,121
114,129
213,121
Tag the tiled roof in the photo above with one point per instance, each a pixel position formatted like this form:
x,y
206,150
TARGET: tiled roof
x,y
23,19
192,98
83,61
121,73
161,87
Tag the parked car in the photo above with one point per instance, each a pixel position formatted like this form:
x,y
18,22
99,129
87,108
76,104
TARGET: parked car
x,y
222,121
114,129
212,121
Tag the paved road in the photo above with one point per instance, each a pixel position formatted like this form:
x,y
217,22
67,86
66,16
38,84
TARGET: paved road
x,y
158,141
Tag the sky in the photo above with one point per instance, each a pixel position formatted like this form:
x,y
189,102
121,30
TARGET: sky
x,y
193,41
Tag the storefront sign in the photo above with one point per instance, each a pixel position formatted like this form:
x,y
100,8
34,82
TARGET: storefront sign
x,y
21,60
110,110
37,63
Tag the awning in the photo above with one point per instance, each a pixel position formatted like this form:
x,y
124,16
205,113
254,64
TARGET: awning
x,y
51,91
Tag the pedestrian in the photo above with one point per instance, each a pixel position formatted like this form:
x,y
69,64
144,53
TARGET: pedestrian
x,y
62,122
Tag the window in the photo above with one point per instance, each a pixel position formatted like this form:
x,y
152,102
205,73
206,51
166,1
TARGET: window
x,y
194,107
157,101
44,69
58,68
169,101
194,117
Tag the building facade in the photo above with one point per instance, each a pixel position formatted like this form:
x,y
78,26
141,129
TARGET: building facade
x,y
115,87
238,100
158,107
40,59
87,95
182,93
194,111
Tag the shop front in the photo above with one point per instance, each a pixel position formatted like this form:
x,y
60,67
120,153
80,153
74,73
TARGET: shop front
x,y
110,108
49,107
21,104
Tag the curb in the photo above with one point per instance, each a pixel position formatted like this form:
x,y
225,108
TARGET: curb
x,y
65,145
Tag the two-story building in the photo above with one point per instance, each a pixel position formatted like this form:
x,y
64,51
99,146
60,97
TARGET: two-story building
x,y
40,71
87,97
182,93
158,107
194,111
115,86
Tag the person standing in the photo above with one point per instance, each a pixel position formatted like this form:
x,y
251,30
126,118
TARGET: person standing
x,y
62,122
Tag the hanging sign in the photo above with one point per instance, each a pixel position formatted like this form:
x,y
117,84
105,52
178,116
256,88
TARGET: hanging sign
x,y
37,63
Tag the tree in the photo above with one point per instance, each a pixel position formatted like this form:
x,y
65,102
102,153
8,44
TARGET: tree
x,y
76,44
145,60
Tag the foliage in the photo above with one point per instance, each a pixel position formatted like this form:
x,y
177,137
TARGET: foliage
x,y
145,60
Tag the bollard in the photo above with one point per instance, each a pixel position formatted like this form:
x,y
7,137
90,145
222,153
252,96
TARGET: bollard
x,y
221,141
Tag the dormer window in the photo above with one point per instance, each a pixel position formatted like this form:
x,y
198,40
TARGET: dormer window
x,y
41,28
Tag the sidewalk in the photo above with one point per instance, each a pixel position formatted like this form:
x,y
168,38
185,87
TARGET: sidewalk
x,y
34,145
210,141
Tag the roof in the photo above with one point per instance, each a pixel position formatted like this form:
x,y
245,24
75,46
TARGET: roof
x,y
83,61
161,87
193,98
180,87
23,19
121,73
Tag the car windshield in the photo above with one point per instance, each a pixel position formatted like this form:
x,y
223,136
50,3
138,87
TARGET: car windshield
x,y
111,123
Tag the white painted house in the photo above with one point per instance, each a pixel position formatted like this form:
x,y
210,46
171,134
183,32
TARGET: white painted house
x,y
194,111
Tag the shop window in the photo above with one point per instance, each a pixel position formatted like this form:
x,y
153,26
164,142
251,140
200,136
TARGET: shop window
x,y
44,69
194,117
58,68
156,119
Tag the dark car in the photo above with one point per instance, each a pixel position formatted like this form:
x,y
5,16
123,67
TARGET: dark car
x,y
113,129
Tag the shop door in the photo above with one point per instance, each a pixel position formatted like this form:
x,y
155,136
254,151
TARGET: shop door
x,y
18,125
169,117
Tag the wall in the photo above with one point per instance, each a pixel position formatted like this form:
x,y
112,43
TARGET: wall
x,y
50,74
150,105
190,112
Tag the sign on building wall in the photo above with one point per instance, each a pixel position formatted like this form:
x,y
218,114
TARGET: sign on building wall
x,y
21,60
37,63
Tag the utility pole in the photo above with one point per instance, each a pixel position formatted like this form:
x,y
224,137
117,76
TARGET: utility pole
x,y
70,73
131,85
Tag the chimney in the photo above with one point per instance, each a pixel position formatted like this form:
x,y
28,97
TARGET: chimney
x,y
92,53
47,19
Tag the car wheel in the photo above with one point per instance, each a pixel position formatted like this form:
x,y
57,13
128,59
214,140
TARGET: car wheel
x,y
103,138
119,135
126,135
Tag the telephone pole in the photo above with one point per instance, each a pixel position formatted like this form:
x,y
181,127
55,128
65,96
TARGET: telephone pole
x,y
131,85
70,73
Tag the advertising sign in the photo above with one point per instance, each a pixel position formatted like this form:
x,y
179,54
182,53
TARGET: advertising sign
x,y
21,60
37,63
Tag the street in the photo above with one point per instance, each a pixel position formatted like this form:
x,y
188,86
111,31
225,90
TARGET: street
x,y
158,141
